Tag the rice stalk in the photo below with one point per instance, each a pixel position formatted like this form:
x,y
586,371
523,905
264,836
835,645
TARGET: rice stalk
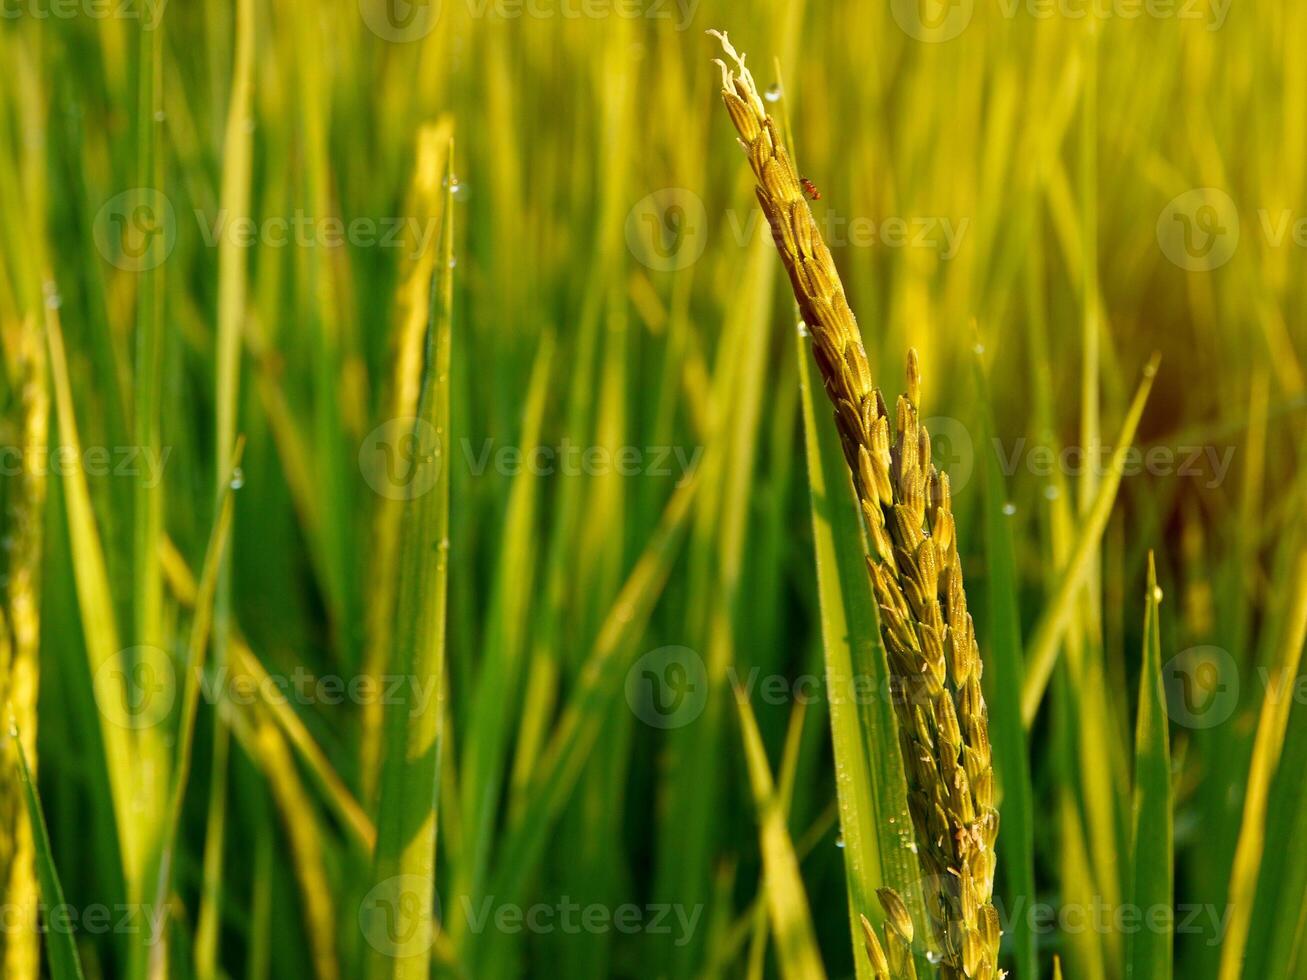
x,y
20,627
232,288
916,574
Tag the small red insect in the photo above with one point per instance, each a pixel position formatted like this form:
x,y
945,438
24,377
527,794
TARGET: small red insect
x,y
810,188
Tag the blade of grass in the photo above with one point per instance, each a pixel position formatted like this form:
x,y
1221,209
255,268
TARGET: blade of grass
x,y
869,775
146,627
796,945
496,699
406,816
1277,942
245,663
1152,858
412,309
306,845
1002,687
784,797
63,960
197,646
95,601
1267,747
717,552
599,683
1042,654
235,201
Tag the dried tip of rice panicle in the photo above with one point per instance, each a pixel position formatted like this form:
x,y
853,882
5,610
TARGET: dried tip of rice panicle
x,y
916,575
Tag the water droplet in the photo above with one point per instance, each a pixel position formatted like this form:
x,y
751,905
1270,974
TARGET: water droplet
x,y
1051,492
773,93
13,728
803,329
237,478
453,261
839,841
1150,370
979,348
1009,508
160,116
1157,593
52,298
934,957
248,125
455,186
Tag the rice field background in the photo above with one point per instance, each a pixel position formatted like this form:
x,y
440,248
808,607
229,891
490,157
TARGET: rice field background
x,y
426,547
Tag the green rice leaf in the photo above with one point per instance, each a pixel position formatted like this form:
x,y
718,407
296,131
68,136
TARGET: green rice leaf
x,y
869,775
796,945
581,723
406,815
64,962
1002,686
1149,950
1267,748
1043,650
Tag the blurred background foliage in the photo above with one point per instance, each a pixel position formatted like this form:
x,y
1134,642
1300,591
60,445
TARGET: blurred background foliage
x,y
1016,187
